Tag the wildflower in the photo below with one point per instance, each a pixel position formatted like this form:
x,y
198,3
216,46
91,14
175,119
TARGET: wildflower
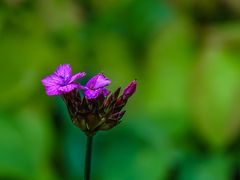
x,y
96,109
62,81
96,86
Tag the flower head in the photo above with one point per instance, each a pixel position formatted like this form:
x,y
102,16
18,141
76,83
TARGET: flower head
x,y
96,86
96,110
62,81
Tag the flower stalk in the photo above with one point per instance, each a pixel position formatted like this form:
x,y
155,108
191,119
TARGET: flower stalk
x,y
88,157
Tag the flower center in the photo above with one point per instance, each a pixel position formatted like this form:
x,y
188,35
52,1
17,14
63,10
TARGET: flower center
x,y
65,80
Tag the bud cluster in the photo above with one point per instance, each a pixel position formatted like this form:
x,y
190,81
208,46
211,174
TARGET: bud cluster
x,y
92,115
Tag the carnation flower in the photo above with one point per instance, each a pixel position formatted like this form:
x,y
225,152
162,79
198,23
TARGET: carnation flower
x,y
62,80
96,86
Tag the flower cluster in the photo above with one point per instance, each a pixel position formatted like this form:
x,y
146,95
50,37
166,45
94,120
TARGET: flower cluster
x,y
97,109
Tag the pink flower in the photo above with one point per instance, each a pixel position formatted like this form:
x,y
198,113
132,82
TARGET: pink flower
x,y
95,86
62,81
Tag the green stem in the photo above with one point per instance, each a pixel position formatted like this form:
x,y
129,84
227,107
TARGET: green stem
x,y
88,155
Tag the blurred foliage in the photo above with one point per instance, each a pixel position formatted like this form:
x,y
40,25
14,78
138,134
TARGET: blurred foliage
x,y
183,122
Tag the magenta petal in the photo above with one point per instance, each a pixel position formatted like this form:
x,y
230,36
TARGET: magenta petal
x,y
51,80
102,81
105,92
69,87
91,83
62,81
64,70
52,91
92,94
83,87
98,81
77,76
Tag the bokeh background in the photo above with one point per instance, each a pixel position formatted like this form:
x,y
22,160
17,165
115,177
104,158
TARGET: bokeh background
x,y
182,124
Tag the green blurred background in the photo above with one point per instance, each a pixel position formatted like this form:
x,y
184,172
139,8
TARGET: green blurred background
x,y
182,124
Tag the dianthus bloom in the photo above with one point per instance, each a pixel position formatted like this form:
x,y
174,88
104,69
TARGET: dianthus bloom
x,y
96,86
96,109
62,81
